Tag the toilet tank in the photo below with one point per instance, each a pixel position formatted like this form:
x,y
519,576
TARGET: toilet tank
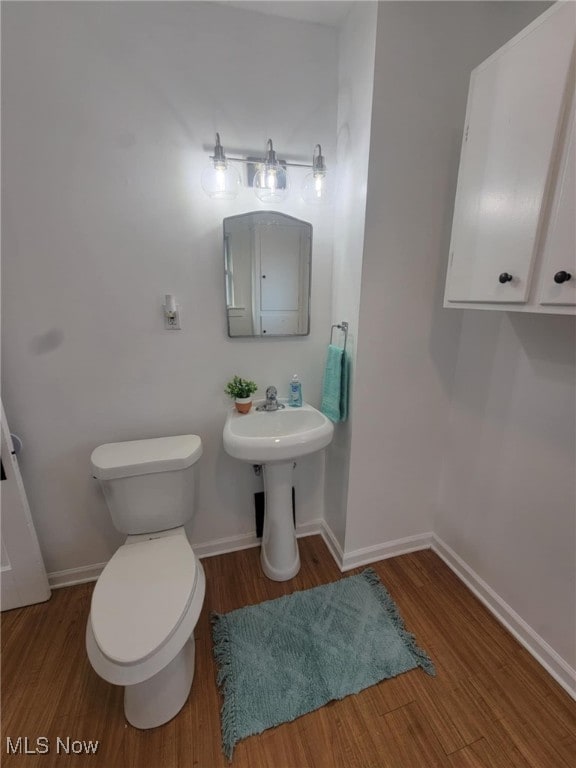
x,y
149,485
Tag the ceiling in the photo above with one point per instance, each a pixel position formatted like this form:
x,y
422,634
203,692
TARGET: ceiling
x,y
329,12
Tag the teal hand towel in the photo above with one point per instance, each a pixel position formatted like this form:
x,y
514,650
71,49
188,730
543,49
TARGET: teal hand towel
x,y
344,386
335,385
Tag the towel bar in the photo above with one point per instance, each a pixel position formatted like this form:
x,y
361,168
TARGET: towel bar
x,y
343,326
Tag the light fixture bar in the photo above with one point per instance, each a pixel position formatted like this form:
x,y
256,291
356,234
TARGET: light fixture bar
x,y
262,160
267,175
219,156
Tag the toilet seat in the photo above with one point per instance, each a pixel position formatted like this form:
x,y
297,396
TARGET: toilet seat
x,y
145,606
141,597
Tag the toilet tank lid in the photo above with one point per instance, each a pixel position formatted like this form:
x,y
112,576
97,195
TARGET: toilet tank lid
x,y
143,457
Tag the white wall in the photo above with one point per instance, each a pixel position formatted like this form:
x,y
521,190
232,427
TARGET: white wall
x,y
464,421
408,344
508,500
357,42
507,503
109,111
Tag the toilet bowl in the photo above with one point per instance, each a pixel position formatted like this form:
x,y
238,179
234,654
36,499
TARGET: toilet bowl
x,y
148,599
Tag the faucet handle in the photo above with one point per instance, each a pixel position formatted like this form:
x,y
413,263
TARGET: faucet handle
x,y
271,393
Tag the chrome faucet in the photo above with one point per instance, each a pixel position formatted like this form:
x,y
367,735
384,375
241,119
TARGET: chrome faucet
x,y
271,403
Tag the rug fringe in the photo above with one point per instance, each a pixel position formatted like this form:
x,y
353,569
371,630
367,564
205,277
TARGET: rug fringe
x,y
223,657
422,659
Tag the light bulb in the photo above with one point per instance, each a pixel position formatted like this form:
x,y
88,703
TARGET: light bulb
x,y
220,181
271,184
271,178
315,190
314,187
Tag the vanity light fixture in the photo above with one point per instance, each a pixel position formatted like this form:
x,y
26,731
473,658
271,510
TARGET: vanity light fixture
x,y
268,176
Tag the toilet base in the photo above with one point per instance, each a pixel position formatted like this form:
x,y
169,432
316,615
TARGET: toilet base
x,y
155,701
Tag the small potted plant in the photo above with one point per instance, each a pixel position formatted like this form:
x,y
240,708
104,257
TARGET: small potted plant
x,y
241,391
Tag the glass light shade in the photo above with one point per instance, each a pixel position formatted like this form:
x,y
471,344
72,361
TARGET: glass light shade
x,y
315,188
271,184
220,181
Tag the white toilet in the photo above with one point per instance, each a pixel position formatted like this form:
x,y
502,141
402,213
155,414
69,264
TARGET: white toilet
x,y
147,600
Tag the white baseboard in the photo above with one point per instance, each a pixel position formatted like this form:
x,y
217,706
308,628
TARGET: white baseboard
x,y
345,562
248,540
84,574
332,543
377,552
312,528
73,576
228,544
515,624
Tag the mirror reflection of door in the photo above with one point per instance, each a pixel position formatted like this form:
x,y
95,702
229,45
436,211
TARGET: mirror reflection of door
x,y
267,261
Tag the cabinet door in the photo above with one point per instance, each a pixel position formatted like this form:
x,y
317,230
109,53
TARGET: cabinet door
x,y
514,106
558,275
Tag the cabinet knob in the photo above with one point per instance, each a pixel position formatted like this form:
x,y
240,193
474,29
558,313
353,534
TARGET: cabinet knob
x,y
505,277
562,277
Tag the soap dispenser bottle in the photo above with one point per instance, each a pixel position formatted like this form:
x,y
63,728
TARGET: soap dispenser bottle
x,y
295,399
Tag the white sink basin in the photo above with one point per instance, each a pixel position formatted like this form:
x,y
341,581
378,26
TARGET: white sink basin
x,y
261,437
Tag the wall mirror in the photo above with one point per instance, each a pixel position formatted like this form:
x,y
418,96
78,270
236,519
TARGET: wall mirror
x,y
267,267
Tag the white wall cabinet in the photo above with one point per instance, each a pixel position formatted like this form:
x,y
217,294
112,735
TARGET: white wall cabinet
x,y
559,245
513,241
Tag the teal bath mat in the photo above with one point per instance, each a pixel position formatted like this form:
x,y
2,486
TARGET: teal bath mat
x,y
285,657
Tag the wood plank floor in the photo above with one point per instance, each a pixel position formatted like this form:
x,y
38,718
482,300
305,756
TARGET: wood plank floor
x,y
490,705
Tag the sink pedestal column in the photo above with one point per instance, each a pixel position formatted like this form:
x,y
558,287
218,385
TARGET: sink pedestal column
x,y
279,555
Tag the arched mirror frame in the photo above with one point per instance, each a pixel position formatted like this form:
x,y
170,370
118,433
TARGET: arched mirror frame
x,y
267,275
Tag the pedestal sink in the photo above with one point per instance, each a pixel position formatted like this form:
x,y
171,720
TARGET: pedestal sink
x,y
275,439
